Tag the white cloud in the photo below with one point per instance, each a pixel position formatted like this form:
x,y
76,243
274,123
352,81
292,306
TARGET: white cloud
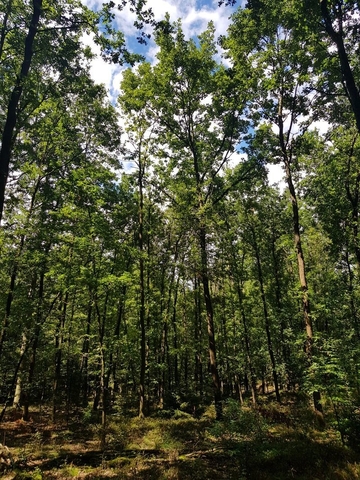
x,y
322,126
195,15
108,74
276,176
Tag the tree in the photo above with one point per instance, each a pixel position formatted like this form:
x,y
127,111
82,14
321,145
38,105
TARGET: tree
x,y
333,23
134,101
11,117
50,48
266,41
199,111
66,134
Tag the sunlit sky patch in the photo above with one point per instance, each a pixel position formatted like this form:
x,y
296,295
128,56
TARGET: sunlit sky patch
x,y
195,16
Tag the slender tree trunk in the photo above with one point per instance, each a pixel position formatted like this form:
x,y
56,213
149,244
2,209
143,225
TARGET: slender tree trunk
x,y
148,269
18,388
287,159
58,354
175,333
103,397
236,377
226,380
346,72
9,300
353,197
279,308
199,377
164,314
300,261
14,273
37,330
354,312
210,324
13,382
3,30
170,316
302,277
249,361
266,316
114,355
248,348
7,140
238,389
24,345
85,355
142,312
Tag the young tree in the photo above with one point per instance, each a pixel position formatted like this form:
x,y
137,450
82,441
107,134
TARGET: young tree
x,y
264,38
199,111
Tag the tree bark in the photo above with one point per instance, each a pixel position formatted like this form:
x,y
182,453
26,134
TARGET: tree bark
x,y
114,355
4,27
13,382
58,354
198,374
279,308
37,330
85,355
210,323
7,140
15,268
142,296
287,160
266,316
347,74
249,361
354,312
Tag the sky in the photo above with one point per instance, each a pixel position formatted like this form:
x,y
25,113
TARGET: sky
x,y
195,16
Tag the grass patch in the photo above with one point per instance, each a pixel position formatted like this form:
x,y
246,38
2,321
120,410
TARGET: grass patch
x,y
270,443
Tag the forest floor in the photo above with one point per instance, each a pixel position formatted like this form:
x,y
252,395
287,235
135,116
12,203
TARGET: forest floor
x,y
271,443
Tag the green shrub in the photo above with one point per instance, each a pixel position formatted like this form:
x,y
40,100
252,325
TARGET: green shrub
x,y
239,422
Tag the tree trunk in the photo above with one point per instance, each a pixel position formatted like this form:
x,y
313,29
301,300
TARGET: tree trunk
x,y
287,159
114,355
13,382
142,301
18,388
354,312
266,316
248,350
58,354
103,387
198,374
103,398
210,324
245,326
4,27
14,273
279,308
347,76
37,330
7,140
85,356
164,314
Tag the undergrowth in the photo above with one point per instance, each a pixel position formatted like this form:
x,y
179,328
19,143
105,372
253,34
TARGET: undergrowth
x,y
271,442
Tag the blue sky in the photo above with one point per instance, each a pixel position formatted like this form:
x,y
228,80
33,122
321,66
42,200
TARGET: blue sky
x,y
195,15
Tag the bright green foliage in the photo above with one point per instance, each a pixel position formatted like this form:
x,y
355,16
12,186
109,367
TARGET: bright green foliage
x,y
116,283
